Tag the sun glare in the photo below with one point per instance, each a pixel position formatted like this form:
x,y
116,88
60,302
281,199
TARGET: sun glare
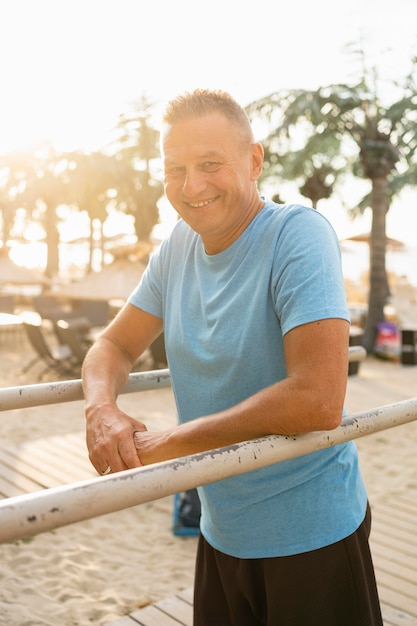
x,y
70,68
54,79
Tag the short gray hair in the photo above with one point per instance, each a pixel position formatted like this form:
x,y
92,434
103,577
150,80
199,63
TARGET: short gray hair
x,y
201,102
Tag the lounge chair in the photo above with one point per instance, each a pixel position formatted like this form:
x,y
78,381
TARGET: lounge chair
x,y
70,334
49,307
57,358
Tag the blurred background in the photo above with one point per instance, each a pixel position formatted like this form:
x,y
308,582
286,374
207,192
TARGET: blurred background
x,y
331,91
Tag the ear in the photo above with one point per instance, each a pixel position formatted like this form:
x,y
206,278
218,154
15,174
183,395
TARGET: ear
x,y
257,156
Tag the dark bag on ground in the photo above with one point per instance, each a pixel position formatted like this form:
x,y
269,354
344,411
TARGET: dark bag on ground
x,y
187,512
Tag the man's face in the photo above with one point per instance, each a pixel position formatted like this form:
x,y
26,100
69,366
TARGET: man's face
x,y
210,178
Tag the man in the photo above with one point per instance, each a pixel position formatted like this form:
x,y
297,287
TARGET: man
x,y
251,299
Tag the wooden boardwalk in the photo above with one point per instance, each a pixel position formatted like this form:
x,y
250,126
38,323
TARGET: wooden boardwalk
x,y
56,460
173,611
44,463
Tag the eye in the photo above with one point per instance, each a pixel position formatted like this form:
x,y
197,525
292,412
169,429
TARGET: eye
x,y
210,166
174,172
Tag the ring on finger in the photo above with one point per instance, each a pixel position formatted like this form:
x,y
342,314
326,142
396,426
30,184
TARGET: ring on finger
x,y
107,470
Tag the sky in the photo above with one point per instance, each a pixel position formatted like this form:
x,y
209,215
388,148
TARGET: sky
x,y
70,67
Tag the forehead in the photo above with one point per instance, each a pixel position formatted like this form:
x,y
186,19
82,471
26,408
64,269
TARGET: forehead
x,y
197,137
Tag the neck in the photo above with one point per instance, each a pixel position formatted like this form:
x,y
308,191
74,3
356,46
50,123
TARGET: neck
x,y
216,244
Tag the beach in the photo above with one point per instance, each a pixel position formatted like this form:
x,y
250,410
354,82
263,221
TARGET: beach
x,y
98,570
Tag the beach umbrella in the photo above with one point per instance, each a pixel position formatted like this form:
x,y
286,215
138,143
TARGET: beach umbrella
x,y
395,244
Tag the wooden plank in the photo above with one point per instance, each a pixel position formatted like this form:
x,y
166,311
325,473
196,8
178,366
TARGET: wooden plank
x,y
394,517
175,606
51,467
403,572
76,444
394,617
8,489
394,556
74,447
28,468
124,621
398,601
403,547
403,587
43,463
17,483
53,463
152,615
388,534
70,462
187,595
407,502
390,527
403,506
170,611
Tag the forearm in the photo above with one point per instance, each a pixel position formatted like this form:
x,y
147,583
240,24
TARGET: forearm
x,y
109,431
105,372
106,369
285,408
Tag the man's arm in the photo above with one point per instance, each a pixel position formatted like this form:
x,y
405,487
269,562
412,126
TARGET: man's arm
x,y
310,398
105,372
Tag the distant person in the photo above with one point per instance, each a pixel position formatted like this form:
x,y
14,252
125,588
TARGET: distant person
x,y
250,296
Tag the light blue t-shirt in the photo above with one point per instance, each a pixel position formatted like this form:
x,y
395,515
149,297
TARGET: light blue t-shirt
x,y
224,317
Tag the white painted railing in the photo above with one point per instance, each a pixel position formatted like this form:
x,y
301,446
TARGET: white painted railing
x,y
31,514
20,397
25,396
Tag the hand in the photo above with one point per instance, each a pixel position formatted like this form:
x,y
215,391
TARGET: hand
x,y
151,447
110,442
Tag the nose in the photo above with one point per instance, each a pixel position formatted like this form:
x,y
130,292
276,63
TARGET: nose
x,y
194,182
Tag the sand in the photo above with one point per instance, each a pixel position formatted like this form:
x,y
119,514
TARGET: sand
x,y
101,569
95,571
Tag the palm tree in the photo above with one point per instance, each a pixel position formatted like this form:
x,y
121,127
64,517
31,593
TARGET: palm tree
x,y
137,146
315,166
37,182
94,180
8,205
380,141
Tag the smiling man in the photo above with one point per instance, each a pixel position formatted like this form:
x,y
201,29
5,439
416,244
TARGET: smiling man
x,y
251,299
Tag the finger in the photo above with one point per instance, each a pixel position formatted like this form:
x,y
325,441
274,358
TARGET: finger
x,y
102,467
129,455
123,458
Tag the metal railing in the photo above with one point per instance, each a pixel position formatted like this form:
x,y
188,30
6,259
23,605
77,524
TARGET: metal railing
x,y
25,396
34,513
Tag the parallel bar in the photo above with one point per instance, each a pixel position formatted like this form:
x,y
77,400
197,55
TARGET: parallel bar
x,y
357,353
70,390
31,514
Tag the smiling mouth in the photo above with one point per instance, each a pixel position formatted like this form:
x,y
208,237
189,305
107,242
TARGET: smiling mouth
x,y
199,205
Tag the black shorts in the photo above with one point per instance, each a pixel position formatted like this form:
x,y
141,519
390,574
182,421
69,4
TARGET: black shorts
x,y
332,586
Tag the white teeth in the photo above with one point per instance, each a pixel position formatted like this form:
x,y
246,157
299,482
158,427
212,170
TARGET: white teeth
x,y
200,204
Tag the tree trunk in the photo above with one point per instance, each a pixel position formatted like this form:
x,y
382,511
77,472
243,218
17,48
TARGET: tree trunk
x,y
52,241
90,247
378,283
